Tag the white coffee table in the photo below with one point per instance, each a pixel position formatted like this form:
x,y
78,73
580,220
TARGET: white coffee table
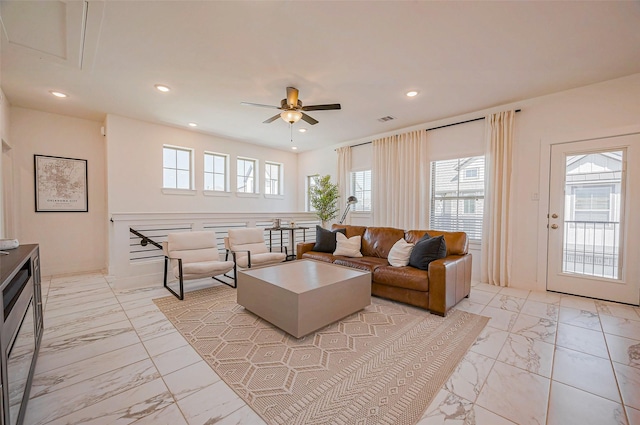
x,y
303,296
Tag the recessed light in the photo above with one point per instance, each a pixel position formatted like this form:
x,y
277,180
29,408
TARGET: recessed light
x,y
412,93
295,148
302,130
192,124
162,88
57,93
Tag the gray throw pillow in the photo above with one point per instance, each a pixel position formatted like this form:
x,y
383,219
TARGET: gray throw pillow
x,y
326,239
426,250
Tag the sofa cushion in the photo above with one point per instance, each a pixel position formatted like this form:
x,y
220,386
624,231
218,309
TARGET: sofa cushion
x,y
402,277
426,250
365,263
400,253
326,239
347,247
319,256
457,242
378,241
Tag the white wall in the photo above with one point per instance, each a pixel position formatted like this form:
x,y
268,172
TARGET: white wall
x,y
4,155
610,104
134,167
69,241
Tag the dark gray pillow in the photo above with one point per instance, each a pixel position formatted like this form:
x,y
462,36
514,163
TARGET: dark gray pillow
x,y
426,250
326,239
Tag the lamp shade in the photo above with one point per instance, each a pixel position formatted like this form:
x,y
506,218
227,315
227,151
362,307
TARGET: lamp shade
x,y
291,116
351,200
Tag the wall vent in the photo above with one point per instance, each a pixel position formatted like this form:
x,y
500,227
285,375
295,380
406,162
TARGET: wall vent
x,y
387,118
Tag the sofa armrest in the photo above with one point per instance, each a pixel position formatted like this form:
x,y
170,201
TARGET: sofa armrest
x,y
449,282
303,247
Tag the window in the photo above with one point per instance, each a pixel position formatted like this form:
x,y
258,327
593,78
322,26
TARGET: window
x,y
245,176
311,181
176,168
592,202
457,195
215,171
470,206
272,178
471,173
361,189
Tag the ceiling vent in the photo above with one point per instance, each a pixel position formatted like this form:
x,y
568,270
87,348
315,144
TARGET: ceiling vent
x,y
387,118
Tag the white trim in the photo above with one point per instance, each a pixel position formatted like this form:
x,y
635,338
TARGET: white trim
x,y
171,191
247,194
222,193
269,196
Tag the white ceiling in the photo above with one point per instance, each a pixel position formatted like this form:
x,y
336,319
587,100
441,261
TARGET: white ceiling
x,y
461,56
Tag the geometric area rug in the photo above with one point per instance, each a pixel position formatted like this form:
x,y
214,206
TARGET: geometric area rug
x,y
381,365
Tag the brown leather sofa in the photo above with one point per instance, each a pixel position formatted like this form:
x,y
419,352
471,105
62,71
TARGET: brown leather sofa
x,y
443,285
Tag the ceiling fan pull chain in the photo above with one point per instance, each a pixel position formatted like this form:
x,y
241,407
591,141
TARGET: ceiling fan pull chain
x,y
291,131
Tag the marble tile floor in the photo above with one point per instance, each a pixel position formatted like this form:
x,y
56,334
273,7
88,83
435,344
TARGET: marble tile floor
x,y
110,357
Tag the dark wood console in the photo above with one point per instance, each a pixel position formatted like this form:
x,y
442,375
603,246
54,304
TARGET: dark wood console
x,y
21,328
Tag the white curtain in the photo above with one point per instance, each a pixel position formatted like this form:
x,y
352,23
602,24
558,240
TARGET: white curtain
x,y
400,181
344,169
496,230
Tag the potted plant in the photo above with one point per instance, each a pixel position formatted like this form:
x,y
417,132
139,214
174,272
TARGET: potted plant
x,y
324,199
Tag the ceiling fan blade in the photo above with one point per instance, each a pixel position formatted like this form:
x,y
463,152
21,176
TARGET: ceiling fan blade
x,y
292,96
322,107
272,119
308,119
260,105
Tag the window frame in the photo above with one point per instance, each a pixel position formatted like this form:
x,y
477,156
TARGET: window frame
x,y
189,170
360,207
279,180
309,185
256,175
225,173
458,199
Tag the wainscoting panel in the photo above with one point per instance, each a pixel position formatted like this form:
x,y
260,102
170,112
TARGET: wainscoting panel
x,y
131,264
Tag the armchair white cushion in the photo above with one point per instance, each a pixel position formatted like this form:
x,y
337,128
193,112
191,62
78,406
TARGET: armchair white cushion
x,y
243,241
197,253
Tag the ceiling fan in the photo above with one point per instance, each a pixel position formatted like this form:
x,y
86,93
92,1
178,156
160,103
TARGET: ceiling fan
x,y
292,109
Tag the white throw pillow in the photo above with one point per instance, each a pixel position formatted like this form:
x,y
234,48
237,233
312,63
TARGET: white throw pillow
x,y
400,253
347,247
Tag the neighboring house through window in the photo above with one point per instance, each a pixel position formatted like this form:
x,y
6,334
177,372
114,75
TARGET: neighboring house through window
x,y
272,178
246,175
176,169
361,189
215,171
457,195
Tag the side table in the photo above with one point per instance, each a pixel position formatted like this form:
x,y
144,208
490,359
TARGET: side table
x,y
292,231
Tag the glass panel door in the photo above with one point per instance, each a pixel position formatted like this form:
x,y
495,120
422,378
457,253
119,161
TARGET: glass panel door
x,y
593,246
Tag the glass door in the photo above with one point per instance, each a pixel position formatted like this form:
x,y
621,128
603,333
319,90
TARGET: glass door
x,y
592,246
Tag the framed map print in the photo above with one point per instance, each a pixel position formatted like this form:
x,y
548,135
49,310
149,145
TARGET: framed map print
x,y
61,184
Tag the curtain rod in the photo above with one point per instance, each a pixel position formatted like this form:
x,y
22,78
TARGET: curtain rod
x,y
435,128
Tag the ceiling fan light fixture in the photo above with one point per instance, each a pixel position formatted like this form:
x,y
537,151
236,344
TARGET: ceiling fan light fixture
x,y
291,116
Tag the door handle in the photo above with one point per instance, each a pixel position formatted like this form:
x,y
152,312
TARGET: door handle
x,y
554,226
